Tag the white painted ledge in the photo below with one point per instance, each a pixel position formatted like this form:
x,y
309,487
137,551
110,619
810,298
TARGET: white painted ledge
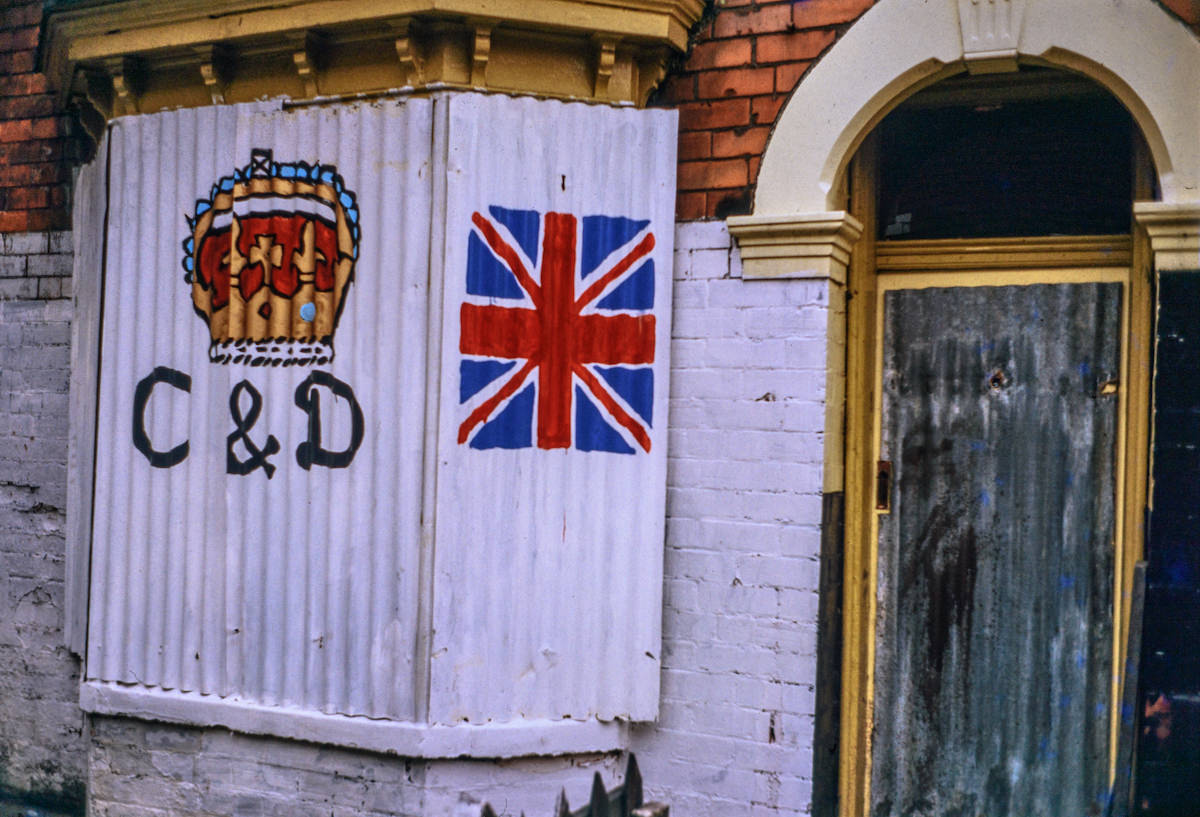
x,y
804,245
511,739
1174,231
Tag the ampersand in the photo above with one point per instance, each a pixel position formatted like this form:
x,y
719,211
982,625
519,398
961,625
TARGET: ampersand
x,y
242,424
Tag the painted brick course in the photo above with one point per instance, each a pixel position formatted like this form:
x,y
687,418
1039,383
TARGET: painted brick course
x,y
746,447
42,752
151,770
739,617
143,769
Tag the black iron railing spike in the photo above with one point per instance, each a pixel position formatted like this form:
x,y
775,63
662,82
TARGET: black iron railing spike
x,y
633,784
599,802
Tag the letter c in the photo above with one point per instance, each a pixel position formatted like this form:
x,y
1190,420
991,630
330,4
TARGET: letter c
x,y
141,396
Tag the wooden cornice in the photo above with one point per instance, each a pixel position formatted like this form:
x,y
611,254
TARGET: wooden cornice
x,y
197,52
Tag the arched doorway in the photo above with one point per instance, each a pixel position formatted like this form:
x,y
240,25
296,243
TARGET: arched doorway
x,y
818,192
1000,314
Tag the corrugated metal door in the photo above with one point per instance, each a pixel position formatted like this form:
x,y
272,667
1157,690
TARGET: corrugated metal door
x,y
994,631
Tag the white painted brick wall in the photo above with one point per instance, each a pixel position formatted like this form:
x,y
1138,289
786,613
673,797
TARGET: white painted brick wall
x,y
141,769
740,596
743,539
42,756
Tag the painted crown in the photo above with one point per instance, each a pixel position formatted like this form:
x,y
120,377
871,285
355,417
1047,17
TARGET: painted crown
x,y
269,256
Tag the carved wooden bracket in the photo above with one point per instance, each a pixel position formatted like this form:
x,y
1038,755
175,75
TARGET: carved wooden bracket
x,y
991,31
90,99
606,58
481,52
412,59
612,51
650,71
126,76
307,51
216,68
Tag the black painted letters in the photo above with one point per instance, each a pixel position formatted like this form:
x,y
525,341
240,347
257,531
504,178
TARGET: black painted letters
x,y
257,456
141,396
308,453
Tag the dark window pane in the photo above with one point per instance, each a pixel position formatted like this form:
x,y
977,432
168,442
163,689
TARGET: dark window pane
x,y
1006,169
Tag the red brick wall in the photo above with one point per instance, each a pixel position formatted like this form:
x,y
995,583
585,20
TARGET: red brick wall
x,y
1186,10
34,171
743,65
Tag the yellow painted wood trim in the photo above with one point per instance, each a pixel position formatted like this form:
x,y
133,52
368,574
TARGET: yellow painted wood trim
x,y
120,29
899,46
1019,253
186,53
1137,390
858,610
876,267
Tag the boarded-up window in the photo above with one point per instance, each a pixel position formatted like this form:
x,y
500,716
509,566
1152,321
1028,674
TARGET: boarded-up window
x,y
381,418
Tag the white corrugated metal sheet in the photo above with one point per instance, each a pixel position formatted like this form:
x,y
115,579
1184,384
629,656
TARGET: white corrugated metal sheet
x,y
549,559
294,590
498,579
87,231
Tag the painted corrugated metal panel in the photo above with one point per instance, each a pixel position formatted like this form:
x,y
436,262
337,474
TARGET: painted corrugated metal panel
x,y
87,231
421,579
548,566
298,589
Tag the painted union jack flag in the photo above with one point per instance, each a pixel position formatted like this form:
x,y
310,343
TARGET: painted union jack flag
x,y
557,332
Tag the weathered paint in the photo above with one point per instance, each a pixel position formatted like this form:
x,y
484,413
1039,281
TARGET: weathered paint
x,y
553,536
308,503
88,221
240,570
996,560
1168,774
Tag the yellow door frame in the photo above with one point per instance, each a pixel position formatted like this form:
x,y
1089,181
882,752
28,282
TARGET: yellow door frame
x,y
873,269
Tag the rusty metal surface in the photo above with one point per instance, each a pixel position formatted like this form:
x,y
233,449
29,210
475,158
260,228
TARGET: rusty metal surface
x,y
994,635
